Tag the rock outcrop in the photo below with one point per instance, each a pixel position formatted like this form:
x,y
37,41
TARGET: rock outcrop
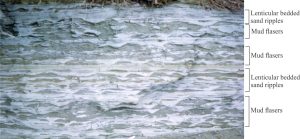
x,y
6,23
232,5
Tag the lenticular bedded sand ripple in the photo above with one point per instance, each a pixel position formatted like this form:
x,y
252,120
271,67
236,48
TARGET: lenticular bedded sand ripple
x,y
112,72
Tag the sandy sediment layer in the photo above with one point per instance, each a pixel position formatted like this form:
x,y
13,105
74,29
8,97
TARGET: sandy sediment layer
x,y
219,134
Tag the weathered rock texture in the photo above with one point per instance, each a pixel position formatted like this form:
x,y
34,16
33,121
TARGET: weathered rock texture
x,y
233,5
41,1
6,23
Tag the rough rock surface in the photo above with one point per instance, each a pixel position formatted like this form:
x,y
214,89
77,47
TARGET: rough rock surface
x,y
221,134
232,5
6,23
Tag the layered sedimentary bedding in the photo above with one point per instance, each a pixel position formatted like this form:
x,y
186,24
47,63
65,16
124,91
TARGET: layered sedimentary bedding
x,y
233,5
119,72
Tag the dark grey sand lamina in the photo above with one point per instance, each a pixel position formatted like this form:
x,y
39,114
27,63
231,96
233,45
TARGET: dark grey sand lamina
x,y
121,72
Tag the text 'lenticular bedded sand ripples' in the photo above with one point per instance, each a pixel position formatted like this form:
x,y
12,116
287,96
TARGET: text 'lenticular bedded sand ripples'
x,y
112,72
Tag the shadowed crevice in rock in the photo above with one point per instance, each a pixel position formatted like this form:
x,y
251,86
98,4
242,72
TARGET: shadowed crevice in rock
x,y
6,22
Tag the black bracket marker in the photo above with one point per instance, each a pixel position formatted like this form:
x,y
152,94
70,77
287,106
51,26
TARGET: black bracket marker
x,y
248,88
247,23
248,122
249,56
248,16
